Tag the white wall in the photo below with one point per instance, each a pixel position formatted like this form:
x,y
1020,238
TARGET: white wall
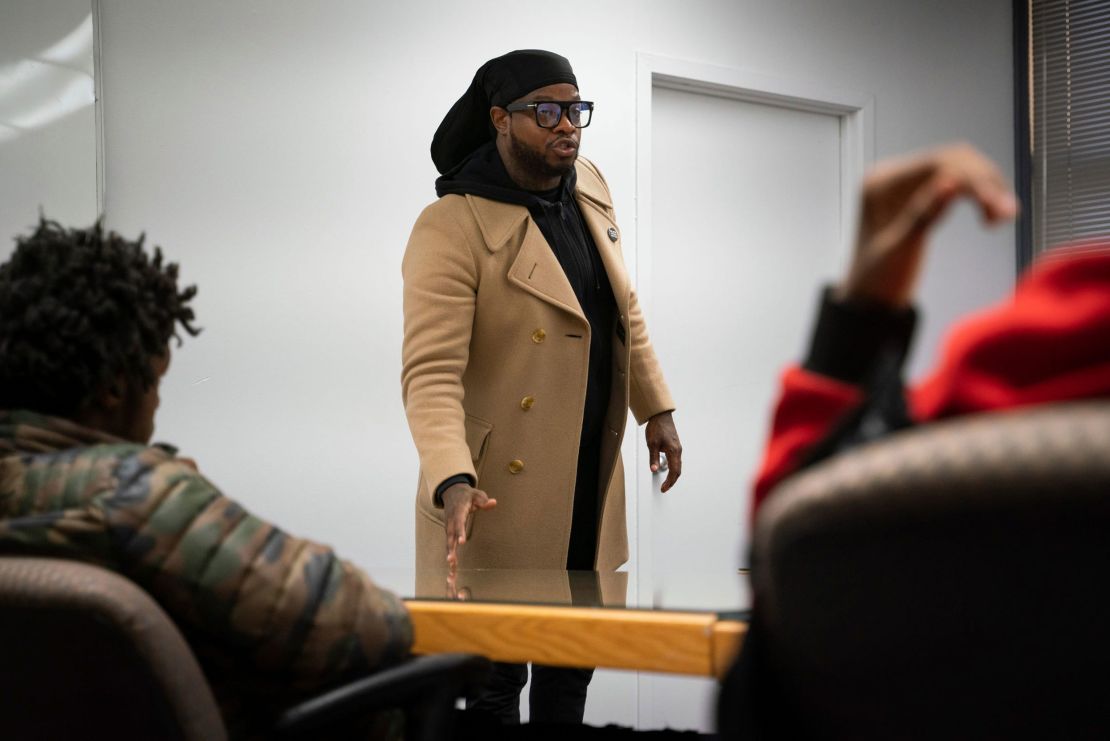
x,y
279,150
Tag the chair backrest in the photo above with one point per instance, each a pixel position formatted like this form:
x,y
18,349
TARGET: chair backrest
x,y
84,653
951,580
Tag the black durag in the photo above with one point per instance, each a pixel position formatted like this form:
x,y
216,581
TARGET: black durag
x,y
498,82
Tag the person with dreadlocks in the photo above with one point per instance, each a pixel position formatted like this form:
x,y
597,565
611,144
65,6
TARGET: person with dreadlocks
x,y
524,349
86,319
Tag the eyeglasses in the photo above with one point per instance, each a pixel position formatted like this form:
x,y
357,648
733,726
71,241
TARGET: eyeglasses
x,y
550,112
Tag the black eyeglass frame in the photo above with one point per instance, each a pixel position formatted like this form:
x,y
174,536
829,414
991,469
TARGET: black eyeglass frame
x,y
564,110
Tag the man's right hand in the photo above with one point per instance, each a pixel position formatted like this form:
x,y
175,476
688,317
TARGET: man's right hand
x,y
460,502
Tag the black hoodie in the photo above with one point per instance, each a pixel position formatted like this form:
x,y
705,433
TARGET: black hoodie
x,y
557,215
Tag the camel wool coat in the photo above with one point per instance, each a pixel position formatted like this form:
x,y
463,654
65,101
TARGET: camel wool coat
x,y
494,363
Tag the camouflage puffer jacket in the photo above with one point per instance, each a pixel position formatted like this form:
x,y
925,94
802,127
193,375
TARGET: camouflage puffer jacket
x,y
269,615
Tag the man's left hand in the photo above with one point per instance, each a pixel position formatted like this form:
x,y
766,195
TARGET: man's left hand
x,y
662,437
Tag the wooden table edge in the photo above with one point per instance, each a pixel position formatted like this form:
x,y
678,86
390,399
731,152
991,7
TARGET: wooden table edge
x,y
694,643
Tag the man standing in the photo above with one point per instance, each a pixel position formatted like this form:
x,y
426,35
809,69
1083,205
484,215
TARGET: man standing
x,y
524,348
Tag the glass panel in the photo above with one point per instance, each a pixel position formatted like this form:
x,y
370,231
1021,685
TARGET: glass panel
x,y
718,590
580,114
548,114
48,137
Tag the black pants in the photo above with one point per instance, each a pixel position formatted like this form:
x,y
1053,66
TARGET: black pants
x,y
557,695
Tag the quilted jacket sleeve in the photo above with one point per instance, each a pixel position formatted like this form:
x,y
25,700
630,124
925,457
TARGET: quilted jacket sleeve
x,y
288,606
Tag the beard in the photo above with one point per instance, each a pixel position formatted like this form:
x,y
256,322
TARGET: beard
x,y
535,162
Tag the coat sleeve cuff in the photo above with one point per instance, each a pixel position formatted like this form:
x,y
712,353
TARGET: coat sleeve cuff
x,y
645,401
851,336
461,478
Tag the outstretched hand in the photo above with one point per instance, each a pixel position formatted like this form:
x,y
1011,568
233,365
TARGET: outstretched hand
x,y
662,437
460,502
903,199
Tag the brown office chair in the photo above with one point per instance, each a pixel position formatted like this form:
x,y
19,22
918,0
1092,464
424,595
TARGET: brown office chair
x,y
85,653
952,580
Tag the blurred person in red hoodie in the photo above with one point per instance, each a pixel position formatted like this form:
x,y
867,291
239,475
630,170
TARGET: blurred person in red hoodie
x,y
1048,342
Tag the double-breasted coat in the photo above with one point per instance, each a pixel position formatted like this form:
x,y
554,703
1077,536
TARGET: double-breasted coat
x,y
494,363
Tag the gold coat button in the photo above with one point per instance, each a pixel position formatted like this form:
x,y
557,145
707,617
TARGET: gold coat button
x,y
516,466
539,336
527,402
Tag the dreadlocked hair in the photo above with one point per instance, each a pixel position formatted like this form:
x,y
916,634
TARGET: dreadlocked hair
x,y
78,309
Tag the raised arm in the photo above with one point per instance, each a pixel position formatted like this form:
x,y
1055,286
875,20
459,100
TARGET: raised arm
x,y
866,319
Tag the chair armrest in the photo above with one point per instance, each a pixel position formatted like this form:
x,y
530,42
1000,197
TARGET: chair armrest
x,y
423,681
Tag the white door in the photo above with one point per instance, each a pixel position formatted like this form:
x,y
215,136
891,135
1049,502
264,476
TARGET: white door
x,y
746,218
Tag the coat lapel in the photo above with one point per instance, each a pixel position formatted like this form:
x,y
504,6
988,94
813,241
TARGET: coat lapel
x,y
599,224
537,270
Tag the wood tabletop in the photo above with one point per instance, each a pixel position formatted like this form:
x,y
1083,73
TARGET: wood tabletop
x,y
697,643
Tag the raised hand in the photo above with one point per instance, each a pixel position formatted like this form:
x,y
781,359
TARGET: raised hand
x,y
903,199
